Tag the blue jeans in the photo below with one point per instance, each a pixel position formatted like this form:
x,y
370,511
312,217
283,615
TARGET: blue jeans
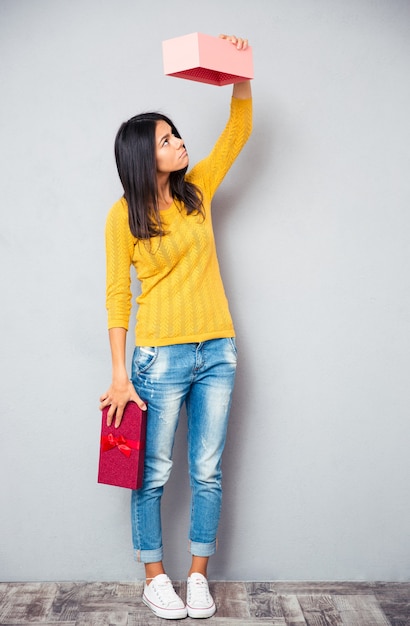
x,y
201,375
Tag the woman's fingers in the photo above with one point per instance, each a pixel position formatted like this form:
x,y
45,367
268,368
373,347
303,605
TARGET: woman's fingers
x,y
140,403
117,403
241,44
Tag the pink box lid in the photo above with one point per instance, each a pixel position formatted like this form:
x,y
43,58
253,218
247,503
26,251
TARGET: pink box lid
x,y
206,59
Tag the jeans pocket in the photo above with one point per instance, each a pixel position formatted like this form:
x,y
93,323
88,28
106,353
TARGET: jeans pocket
x,y
144,358
232,342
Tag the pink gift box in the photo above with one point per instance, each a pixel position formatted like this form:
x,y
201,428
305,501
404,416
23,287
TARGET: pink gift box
x,y
206,59
122,449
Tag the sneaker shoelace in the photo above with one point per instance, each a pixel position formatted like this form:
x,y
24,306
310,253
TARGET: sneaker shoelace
x,y
201,591
166,592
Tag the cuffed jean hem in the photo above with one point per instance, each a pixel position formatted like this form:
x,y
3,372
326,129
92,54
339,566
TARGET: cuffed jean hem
x,y
149,556
202,549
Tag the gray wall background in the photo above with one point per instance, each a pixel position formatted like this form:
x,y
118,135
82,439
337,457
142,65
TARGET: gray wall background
x,y
313,231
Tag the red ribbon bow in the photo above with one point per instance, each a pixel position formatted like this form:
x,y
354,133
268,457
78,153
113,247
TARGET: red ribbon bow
x,y
108,442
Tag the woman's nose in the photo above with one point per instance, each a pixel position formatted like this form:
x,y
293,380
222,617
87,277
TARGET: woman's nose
x,y
179,142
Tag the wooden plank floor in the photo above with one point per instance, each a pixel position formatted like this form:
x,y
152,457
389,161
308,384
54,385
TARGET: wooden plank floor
x,y
239,604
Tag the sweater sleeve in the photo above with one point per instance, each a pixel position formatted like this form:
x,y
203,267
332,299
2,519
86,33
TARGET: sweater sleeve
x,y
210,172
119,245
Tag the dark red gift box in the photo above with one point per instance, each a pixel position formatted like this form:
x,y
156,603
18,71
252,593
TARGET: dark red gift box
x,y
122,449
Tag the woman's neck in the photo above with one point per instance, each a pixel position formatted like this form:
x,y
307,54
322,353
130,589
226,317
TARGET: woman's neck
x,y
164,198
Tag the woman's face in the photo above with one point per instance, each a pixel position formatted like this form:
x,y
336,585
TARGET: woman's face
x,y
170,151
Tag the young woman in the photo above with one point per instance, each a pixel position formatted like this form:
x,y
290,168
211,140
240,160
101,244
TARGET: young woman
x,y
184,337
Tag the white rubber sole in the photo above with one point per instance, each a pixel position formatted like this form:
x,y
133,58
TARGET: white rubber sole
x,y
201,613
165,613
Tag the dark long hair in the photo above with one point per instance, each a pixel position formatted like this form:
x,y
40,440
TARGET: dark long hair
x,y
136,164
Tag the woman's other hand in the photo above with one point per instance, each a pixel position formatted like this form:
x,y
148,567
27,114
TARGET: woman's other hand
x,y
117,396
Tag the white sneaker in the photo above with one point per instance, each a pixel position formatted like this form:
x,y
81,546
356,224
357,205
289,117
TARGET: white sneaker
x,y
161,598
199,601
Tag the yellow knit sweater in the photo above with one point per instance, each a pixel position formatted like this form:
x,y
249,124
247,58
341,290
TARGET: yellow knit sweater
x,y
182,297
